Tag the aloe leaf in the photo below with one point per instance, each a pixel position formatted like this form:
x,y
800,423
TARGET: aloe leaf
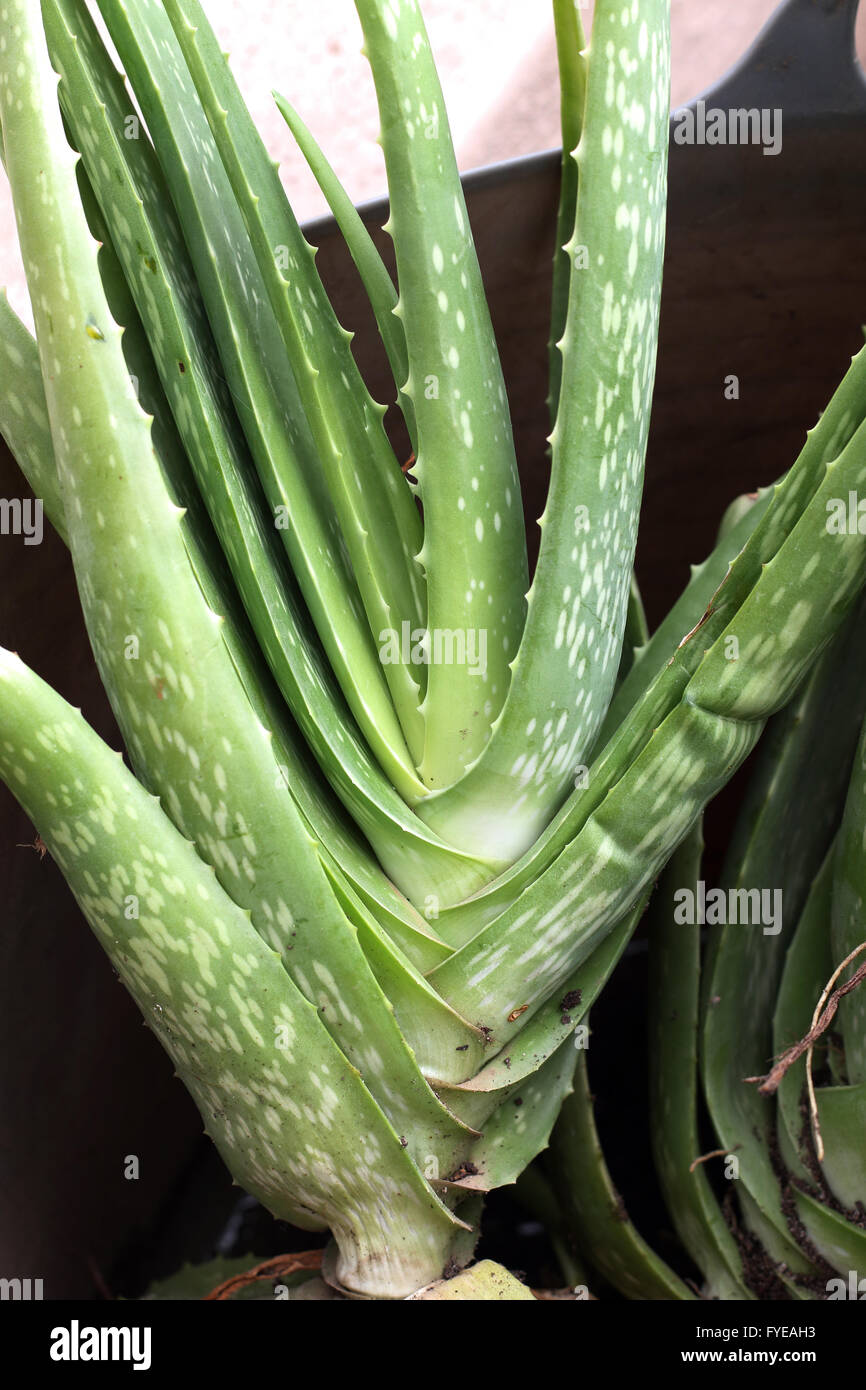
x,y
842,1118
347,855
674,993
256,368
445,1046
348,860
373,272
135,203
848,923
691,606
377,512
652,692
527,952
520,1126
804,761
23,414
792,612
564,673
594,1208
158,643
474,544
807,490
557,1019
836,1239
571,59
253,1052
636,631
674,996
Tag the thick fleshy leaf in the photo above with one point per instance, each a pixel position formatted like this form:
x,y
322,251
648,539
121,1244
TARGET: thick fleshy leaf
x,y
593,1206
138,210
795,517
563,675
371,268
674,994
571,57
277,1095
24,416
474,552
804,762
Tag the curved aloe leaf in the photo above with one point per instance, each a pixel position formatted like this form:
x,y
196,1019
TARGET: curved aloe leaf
x,y
840,1176
592,1204
137,205
556,1020
799,500
571,58
693,603
519,1128
374,274
673,992
23,416
750,671
474,552
253,1052
346,854
564,672
804,761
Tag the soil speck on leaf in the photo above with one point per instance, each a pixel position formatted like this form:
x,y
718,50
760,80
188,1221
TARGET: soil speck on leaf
x,y
463,1170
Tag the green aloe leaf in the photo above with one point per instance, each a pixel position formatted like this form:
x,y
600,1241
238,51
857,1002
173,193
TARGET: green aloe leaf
x,y
565,669
23,415
474,545
347,856
374,274
804,761
798,506
693,604
840,1176
593,1206
674,1008
571,58
748,673
520,1126
558,1018
255,1055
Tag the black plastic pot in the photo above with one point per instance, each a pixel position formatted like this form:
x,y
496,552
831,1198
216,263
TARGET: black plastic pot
x,y
765,281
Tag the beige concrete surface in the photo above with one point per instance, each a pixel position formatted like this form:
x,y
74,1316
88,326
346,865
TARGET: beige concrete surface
x,y
498,68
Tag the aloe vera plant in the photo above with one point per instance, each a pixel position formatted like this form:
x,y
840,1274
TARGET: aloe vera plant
x,y
393,809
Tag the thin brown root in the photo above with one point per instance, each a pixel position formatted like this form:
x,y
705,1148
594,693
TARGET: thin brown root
x,y
714,1153
825,1012
38,844
280,1267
